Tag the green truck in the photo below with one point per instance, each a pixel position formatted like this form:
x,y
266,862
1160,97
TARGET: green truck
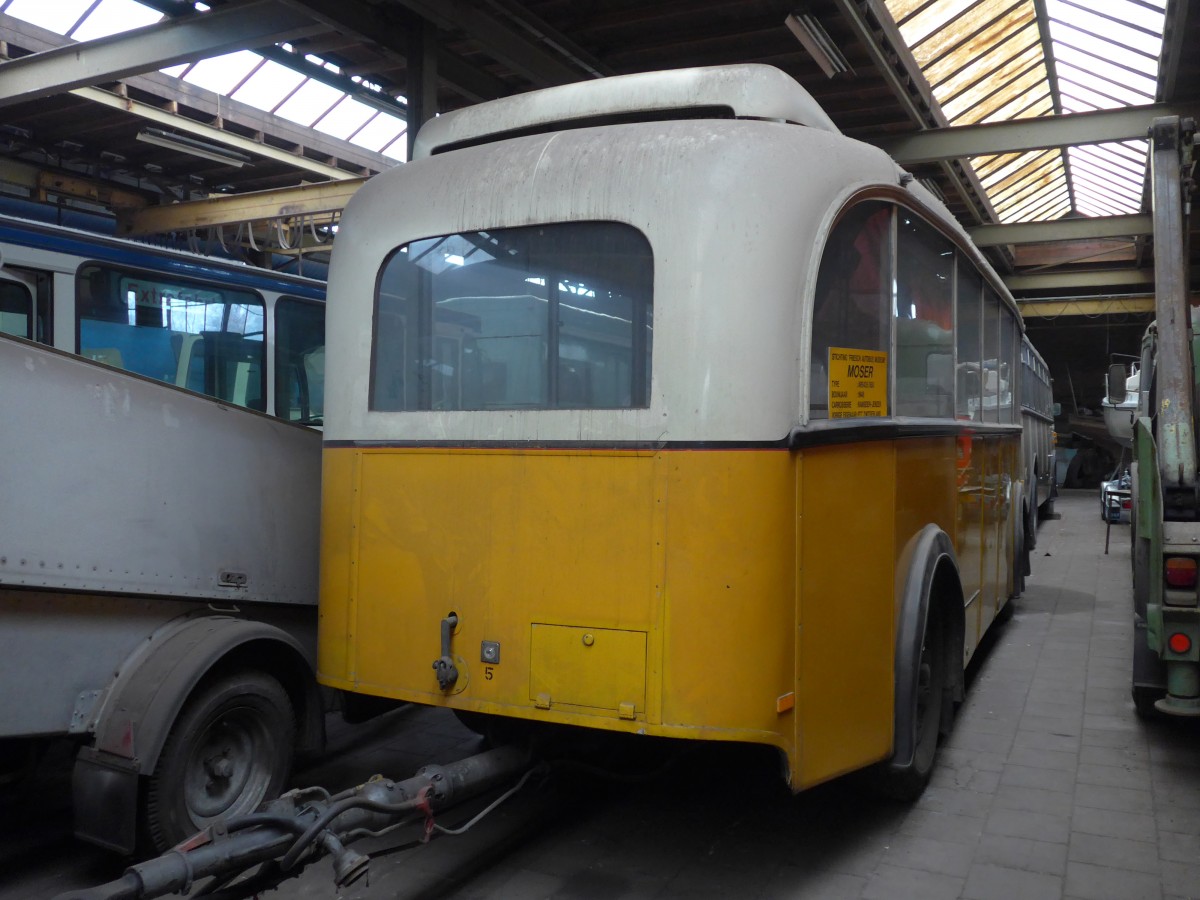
x,y
1166,490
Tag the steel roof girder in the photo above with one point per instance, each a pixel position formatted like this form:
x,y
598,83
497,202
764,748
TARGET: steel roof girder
x,y
1086,306
309,201
1084,282
1019,135
212,133
232,27
1061,230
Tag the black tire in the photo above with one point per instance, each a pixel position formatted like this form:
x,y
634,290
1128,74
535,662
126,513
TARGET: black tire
x,y
473,721
1005,613
496,731
905,783
1144,699
1149,681
1021,566
229,750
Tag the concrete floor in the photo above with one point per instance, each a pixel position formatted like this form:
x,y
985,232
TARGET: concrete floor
x,y
1049,787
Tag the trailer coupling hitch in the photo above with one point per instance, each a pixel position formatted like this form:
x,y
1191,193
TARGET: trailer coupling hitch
x,y
305,824
443,666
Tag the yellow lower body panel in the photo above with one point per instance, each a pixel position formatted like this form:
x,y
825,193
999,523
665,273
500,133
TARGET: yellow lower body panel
x,y
745,595
652,592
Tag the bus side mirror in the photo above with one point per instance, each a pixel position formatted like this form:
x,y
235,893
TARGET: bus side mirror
x,y
1116,383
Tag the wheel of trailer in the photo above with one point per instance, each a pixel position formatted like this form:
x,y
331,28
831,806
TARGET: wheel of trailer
x,y
1020,560
229,750
907,782
1149,681
497,731
1144,699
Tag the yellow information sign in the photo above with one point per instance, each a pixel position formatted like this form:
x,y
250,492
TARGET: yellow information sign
x,y
858,383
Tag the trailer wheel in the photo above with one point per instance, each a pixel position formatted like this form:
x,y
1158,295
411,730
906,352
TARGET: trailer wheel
x,y
1144,699
229,750
906,783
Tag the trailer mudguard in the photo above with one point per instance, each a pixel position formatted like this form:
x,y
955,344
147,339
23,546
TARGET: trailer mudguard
x,y
926,554
141,704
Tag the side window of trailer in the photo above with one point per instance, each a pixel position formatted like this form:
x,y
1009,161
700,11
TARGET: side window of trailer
x,y
204,337
994,371
852,311
969,368
924,319
1010,339
541,317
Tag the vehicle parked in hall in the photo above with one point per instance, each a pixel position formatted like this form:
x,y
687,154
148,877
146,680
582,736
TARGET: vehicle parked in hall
x,y
688,354
159,480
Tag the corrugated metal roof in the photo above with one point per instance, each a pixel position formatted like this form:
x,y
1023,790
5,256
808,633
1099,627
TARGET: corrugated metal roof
x,y
993,60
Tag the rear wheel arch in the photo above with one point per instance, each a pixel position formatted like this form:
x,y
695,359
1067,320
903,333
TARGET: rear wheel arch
x,y
153,693
928,663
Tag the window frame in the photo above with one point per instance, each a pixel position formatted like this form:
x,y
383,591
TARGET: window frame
x,y
639,349
964,253
284,300
159,277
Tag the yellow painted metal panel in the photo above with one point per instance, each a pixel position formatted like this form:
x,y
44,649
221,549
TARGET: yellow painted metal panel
x,y
968,533
503,539
845,660
712,583
694,549
926,489
730,591
335,630
597,667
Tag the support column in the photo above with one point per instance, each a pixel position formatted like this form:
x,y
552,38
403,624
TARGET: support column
x,y
422,77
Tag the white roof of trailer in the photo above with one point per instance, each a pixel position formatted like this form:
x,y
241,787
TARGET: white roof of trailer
x,y
749,91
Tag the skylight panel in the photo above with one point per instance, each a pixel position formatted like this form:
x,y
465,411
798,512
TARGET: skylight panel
x,y
345,118
379,132
1121,18
1001,102
221,74
1082,90
397,150
113,17
309,103
1105,55
1119,163
932,19
988,67
269,86
1099,72
1129,34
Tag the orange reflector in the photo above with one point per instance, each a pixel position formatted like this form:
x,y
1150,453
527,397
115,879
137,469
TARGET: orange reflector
x,y
1179,643
785,702
1181,572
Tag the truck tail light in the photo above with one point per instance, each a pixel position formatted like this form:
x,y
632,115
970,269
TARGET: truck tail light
x,y
1181,572
1179,643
